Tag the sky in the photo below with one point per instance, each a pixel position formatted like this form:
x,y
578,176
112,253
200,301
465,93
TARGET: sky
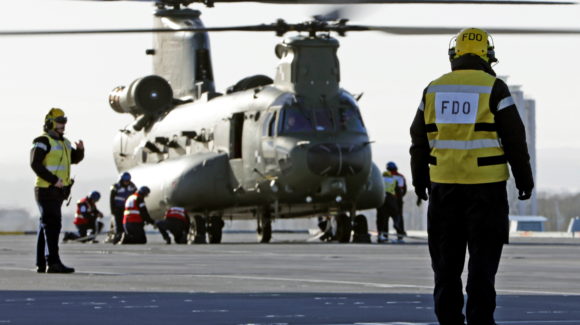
x,y
77,73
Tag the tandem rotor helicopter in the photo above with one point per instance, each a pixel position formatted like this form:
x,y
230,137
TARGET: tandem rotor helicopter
x,y
290,146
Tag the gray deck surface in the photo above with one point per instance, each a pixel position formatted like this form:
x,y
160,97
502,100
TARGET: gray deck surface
x,y
289,281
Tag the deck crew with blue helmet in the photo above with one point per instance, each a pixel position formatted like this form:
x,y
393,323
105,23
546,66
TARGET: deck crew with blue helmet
x,y
120,191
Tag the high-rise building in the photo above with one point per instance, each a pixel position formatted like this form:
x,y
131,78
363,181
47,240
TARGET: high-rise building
x,y
527,109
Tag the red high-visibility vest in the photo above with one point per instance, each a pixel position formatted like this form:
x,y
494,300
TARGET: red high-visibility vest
x,y
132,213
81,216
177,213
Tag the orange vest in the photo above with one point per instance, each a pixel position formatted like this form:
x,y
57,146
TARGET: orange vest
x,y
132,213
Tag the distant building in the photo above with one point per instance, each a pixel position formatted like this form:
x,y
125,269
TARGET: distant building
x,y
527,223
527,109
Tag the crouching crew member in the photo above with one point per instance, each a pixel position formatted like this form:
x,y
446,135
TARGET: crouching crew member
x,y
86,219
177,222
120,191
136,215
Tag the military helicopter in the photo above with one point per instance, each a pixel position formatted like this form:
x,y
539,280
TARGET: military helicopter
x,y
288,147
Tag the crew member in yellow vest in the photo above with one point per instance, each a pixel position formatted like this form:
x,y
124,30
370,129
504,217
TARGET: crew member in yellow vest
x,y
50,159
466,131
389,209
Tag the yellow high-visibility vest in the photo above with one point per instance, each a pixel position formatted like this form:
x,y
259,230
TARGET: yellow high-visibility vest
x,y
465,146
390,183
57,161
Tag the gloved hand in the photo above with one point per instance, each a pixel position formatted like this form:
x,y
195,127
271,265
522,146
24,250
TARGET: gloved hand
x,y
525,194
421,194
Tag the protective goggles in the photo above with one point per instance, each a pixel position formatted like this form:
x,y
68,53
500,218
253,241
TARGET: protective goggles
x,y
60,119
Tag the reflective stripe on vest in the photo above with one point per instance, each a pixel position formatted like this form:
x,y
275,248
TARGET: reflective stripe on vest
x,y
176,212
57,160
465,148
132,213
122,193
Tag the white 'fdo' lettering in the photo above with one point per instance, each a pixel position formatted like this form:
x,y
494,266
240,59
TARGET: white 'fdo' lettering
x,y
456,108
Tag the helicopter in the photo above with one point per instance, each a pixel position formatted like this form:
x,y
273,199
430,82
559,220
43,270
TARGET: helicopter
x,y
293,146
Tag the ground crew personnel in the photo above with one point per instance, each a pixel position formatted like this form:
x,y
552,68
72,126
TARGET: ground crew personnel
x,y
465,132
120,191
86,218
177,222
50,159
389,209
402,190
135,217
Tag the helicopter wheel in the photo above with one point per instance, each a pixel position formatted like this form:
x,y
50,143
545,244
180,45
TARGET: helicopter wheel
x,y
197,230
343,228
112,232
264,226
214,229
360,229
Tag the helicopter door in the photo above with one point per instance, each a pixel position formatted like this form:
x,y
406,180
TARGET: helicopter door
x,y
236,132
268,142
235,146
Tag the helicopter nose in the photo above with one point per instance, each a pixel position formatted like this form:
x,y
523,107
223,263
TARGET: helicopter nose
x,y
333,159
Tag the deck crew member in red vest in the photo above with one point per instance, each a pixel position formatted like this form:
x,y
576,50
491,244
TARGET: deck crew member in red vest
x,y
136,215
86,219
177,222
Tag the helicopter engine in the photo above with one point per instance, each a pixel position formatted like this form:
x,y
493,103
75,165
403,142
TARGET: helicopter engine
x,y
149,96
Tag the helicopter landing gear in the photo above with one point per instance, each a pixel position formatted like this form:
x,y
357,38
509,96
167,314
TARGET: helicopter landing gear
x,y
360,229
197,230
264,225
215,225
343,227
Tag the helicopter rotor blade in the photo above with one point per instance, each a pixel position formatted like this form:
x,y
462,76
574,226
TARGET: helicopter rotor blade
x,y
346,2
409,30
509,2
249,28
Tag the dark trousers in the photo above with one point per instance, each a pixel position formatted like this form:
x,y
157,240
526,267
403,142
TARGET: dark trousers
x,y
134,233
401,219
49,201
390,209
94,226
460,217
118,215
178,229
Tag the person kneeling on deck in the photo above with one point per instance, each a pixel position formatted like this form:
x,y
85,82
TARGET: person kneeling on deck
x,y
177,222
86,219
135,217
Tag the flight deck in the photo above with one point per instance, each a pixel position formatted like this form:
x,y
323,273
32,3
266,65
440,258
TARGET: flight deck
x,y
289,281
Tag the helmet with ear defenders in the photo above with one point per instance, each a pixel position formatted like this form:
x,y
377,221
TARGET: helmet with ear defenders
x,y
54,115
472,41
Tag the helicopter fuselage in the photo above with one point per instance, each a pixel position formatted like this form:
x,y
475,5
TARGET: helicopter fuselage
x,y
240,151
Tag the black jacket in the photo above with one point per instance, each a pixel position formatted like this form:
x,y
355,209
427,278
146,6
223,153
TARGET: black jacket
x,y
508,124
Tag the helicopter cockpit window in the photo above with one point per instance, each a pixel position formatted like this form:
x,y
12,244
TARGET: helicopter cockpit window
x,y
350,119
294,120
323,119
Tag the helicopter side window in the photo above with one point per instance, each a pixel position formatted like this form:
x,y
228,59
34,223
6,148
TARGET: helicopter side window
x,y
324,120
293,120
266,124
350,119
272,125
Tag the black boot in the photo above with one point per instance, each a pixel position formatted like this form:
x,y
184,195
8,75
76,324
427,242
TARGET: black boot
x,y
59,268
